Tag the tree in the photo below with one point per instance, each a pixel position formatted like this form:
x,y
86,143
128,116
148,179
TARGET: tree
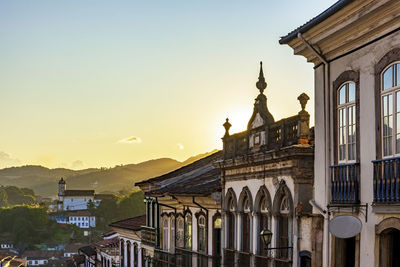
x,y
3,197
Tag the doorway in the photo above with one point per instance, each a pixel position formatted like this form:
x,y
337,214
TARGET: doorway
x,y
389,248
345,252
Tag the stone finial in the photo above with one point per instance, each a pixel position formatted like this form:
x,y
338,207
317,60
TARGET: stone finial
x,y
227,126
303,99
261,84
304,120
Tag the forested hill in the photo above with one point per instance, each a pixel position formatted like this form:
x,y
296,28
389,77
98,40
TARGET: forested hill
x,y
12,195
44,181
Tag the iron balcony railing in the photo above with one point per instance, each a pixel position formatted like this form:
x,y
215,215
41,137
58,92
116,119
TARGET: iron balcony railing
x,y
387,180
345,183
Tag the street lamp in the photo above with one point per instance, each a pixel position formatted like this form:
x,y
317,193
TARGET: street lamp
x,y
266,236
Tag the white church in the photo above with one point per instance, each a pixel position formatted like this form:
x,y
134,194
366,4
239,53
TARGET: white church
x,y
69,200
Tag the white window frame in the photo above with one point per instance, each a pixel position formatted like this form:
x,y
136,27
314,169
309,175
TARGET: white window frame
x,y
202,224
383,93
346,106
165,227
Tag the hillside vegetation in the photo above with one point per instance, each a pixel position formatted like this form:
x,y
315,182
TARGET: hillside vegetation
x,y
12,195
44,181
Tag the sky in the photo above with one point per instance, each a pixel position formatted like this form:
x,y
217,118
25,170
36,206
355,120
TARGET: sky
x,y
90,83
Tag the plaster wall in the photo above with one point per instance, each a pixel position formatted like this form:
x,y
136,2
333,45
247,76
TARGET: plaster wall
x,y
362,61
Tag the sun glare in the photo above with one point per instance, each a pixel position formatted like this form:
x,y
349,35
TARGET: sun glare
x,y
239,120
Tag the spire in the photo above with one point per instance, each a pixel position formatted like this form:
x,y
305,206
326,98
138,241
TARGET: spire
x,y
261,84
260,105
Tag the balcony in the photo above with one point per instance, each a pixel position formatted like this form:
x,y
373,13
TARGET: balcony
x,y
148,236
387,180
345,183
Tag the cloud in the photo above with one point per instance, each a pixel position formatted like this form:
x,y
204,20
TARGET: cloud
x,y
7,161
180,146
131,140
77,164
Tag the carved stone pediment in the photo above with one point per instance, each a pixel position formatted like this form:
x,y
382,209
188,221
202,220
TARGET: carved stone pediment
x,y
257,122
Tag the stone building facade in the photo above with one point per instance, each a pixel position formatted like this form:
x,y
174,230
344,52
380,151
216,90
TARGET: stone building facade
x,y
267,182
211,212
355,49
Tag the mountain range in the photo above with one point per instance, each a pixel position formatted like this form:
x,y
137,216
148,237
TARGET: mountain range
x,y
44,181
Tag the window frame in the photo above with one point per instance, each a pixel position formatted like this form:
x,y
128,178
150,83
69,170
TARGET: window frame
x,y
200,216
180,232
392,91
346,106
345,77
186,244
172,232
165,232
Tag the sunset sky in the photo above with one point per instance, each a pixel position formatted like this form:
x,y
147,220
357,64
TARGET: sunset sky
x,y
99,83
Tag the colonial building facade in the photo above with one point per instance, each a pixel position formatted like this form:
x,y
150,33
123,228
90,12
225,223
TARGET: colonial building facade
x,y
183,222
211,212
355,48
267,182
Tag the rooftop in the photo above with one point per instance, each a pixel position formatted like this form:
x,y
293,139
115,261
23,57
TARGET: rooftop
x,y
183,170
316,20
108,243
134,223
82,193
41,254
88,251
73,247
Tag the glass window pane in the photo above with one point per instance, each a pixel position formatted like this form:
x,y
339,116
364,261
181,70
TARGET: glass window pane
x,y
397,74
390,104
388,78
342,95
352,92
351,152
384,105
398,143
390,125
385,126
398,123
398,101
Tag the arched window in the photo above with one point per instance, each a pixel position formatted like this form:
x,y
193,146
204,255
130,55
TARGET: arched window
x,y
246,225
217,225
165,234
283,227
128,254
202,234
136,255
172,245
231,222
263,224
346,114
390,105
188,231
180,232
122,251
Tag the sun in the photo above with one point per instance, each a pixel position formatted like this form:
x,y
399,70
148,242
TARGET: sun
x,y
239,119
